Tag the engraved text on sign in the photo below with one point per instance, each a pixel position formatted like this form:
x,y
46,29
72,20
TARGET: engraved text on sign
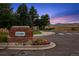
x,y
19,33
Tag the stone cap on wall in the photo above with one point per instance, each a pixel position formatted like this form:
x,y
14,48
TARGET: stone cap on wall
x,y
20,27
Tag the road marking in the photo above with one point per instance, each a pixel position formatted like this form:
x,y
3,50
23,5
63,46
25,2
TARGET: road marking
x,y
76,33
60,33
69,33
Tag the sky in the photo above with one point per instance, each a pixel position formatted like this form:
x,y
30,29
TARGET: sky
x,y
58,12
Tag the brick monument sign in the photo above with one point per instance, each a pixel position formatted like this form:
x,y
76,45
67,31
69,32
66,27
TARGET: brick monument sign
x,y
20,34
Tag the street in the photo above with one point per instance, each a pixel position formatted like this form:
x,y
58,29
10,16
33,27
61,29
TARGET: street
x,y
66,45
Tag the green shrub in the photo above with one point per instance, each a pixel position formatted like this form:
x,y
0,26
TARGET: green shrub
x,y
73,29
3,38
50,28
3,33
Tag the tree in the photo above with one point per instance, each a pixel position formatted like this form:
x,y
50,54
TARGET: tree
x,y
33,15
22,15
6,16
44,21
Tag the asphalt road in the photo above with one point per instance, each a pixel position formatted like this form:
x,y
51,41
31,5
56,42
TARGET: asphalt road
x,y
66,45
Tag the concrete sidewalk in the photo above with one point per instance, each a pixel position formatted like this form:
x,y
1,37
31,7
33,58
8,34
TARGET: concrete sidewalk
x,y
44,34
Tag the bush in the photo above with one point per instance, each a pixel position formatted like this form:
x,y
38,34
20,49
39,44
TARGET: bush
x,y
3,35
50,28
3,38
73,29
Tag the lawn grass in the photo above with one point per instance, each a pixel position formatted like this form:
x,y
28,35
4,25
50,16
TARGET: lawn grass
x,y
37,32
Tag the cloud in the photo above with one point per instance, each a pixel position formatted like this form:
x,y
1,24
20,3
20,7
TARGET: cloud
x,y
65,19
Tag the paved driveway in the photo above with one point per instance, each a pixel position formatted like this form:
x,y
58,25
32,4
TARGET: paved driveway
x,y
67,45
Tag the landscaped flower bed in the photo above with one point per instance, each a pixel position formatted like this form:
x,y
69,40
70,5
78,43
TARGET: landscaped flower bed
x,y
41,42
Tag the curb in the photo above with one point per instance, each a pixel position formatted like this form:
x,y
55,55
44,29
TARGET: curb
x,y
36,47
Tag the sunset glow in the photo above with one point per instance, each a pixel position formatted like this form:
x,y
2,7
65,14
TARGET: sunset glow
x,y
65,19
58,12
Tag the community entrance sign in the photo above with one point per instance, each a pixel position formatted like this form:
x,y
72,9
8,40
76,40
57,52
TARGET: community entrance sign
x,y
20,34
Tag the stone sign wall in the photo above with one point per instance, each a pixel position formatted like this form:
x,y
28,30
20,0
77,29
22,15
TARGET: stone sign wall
x,y
20,34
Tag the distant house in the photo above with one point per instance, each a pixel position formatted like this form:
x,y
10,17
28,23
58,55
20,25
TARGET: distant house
x,y
35,28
